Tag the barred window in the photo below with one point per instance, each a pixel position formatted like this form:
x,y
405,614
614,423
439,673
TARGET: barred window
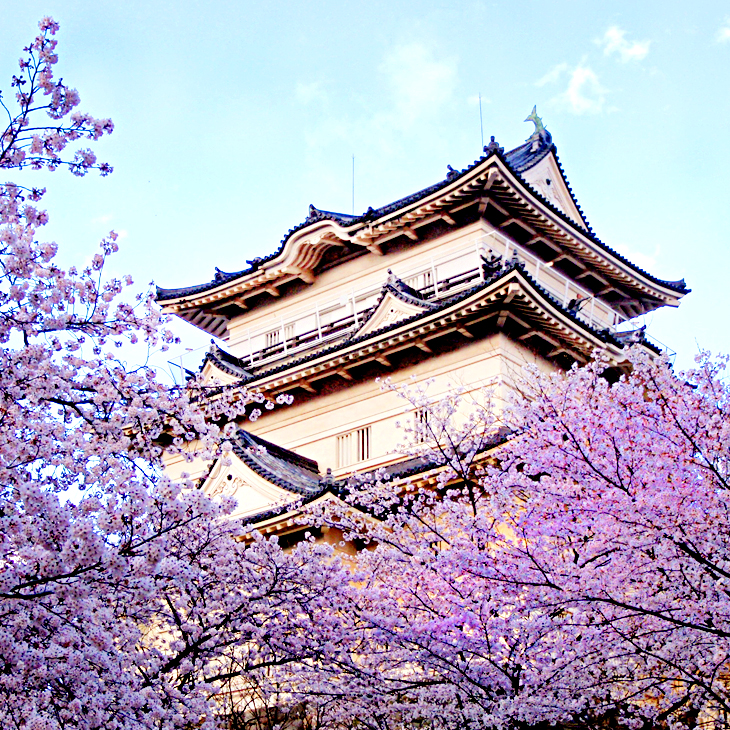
x,y
353,447
420,424
273,338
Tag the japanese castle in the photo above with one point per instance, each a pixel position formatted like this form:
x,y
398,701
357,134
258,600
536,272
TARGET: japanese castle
x,y
464,281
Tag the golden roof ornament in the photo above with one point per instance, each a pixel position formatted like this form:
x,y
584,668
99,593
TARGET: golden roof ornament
x,y
537,121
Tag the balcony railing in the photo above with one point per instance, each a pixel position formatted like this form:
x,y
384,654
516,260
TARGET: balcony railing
x,y
457,270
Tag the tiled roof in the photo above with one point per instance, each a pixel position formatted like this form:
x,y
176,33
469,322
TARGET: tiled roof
x,y
679,285
226,362
603,335
400,290
518,160
405,469
520,155
528,154
278,465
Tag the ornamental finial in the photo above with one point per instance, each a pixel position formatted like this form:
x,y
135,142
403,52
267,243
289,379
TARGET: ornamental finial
x,y
492,147
537,121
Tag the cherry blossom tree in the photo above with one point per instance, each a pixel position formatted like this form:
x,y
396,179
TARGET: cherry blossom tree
x,y
126,600
562,560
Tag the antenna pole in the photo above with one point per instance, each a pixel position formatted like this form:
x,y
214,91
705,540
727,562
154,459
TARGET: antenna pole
x,y
353,184
481,123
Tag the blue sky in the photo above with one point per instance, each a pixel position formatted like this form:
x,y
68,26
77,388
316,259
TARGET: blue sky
x,y
232,117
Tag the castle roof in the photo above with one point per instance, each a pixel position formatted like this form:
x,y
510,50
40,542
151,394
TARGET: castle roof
x,y
497,178
278,465
510,298
520,159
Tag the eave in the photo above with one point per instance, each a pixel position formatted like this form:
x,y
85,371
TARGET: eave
x,y
511,298
419,471
489,181
494,183
296,260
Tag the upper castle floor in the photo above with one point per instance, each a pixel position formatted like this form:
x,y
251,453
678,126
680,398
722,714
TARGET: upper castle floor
x,y
327,277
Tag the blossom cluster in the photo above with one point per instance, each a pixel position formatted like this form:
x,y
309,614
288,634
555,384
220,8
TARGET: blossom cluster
x,y
127,601
30,142
573,569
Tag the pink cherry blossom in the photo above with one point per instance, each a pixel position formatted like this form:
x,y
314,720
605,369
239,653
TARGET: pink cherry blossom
x,y
563,560
126,601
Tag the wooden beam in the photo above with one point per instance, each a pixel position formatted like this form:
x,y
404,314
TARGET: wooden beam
x,y
572,353
570,258
499,207
502,318
383,360
464,331
272,290
374,248
448,219
344,374
520,223
421,345
543,336
410,233
490,180
214,313
214,308
307,386
307,276
542,239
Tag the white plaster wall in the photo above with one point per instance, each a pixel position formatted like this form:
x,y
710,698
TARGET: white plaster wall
x,y
339,283
312,428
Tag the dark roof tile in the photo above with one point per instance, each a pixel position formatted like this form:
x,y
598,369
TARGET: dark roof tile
x,y
519,160
278,465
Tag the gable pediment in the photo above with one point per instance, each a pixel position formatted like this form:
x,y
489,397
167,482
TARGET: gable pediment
x,y
547,178
262,476
394,305
253,494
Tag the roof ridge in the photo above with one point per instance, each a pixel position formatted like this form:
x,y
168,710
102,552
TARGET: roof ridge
x,y
602,334
518,160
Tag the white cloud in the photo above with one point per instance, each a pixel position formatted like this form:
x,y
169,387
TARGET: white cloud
x,y
307,93
416,86
553,75
614,41
418,81
723,34
584,93
643,259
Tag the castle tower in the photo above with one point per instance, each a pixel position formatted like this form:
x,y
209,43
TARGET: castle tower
x,y
464,281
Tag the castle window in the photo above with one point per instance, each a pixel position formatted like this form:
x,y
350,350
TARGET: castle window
x,y
273,338
353,447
